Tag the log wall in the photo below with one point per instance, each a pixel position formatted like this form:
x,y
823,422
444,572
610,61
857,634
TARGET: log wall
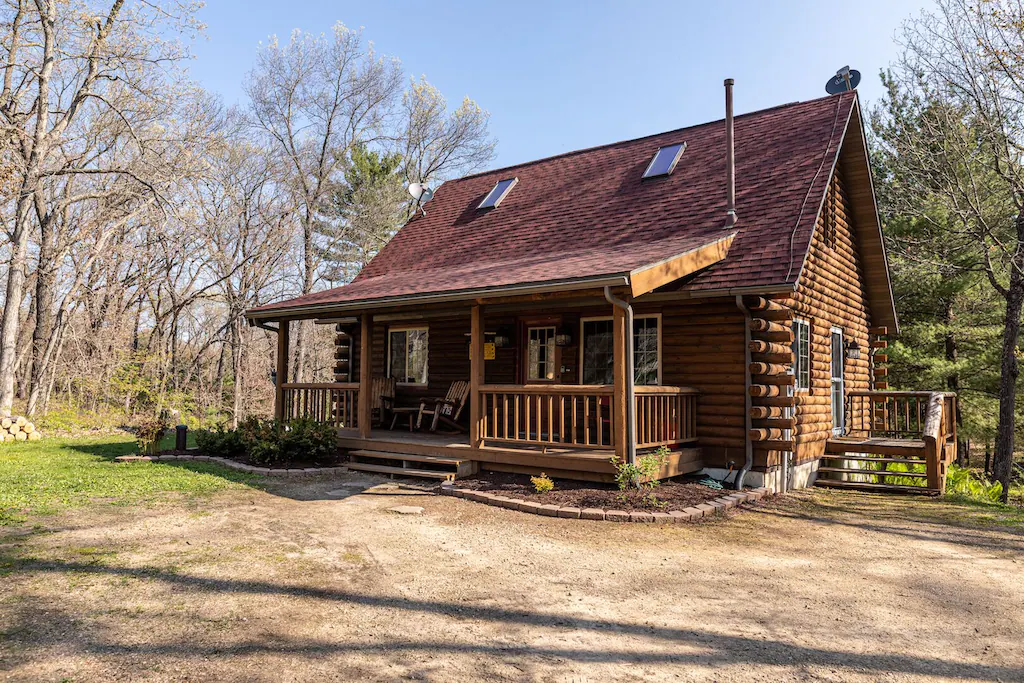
x,y
831,293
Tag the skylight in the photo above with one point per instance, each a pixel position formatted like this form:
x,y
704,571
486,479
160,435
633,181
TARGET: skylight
x,y
664,160
499,192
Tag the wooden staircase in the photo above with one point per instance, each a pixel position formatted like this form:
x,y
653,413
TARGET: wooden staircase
x,y
898,442
866,465
410,465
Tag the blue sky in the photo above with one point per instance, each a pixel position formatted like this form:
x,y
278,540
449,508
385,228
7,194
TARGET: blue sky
x,y
559,76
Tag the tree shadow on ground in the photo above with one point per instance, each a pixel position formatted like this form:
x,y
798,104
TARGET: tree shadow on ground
x,y
887,514
685,646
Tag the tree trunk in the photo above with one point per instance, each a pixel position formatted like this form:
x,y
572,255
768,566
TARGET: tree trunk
x,y
11,319
1002,464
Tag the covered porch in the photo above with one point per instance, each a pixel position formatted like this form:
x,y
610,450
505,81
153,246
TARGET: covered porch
x,y
532,404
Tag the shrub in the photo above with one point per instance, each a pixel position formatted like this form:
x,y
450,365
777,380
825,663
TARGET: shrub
x,y
220,442
632,476
148,432
309,440
543,483
261,441
270,443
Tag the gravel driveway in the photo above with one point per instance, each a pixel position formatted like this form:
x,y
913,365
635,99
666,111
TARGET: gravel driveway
x,y
316,580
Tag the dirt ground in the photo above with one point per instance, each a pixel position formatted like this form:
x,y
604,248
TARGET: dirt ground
x,y
316,580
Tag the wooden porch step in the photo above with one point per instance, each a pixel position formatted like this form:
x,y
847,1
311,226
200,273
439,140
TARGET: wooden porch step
x,y
873,458
895,447
400,471
877,473
880,488
447,466
388,455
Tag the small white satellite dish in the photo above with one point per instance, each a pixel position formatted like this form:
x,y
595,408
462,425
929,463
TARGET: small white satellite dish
x,y
421,193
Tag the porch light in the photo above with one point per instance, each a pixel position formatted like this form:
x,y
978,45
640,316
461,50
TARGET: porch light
x,y
501,341
563,338
852,350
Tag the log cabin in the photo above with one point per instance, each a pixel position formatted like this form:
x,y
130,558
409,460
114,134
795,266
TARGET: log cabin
x,y
720,290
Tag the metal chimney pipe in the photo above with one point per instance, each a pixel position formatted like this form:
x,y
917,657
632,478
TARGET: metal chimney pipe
x,y
730,159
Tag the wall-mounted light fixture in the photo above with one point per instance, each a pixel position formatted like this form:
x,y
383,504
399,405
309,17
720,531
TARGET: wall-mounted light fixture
x,y
852,350
563,337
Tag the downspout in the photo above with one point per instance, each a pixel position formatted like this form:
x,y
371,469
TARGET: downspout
x,y
747,403
630,379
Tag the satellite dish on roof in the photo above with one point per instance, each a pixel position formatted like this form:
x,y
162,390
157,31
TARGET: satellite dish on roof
x,y
421,193
844,80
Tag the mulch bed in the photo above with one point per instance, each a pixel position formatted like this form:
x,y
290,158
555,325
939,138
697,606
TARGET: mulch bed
x,y
668,495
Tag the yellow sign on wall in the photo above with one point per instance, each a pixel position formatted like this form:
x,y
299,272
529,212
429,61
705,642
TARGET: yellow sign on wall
x,y
488,351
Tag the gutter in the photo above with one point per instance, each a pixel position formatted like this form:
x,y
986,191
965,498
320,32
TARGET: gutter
x,y
630,378
438,297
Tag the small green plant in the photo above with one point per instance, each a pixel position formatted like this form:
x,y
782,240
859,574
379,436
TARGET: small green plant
x,y
962,482
271,443
148,433
543,483
639,475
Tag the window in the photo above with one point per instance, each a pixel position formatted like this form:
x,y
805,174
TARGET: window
x,y
541,359
802,353
499,192
597,355
664,161
838,395
407,355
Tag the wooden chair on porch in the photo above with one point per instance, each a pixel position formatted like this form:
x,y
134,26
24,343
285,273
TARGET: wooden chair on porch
x,y
446,410
382,399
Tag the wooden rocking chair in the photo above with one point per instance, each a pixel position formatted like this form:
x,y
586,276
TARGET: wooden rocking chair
x,y
447,409
382,399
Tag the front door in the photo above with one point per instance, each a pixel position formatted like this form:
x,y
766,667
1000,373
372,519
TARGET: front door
x,y
838,394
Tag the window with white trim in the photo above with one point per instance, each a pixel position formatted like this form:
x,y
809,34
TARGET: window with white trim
x,y
597,353
407,354
541,354
802,353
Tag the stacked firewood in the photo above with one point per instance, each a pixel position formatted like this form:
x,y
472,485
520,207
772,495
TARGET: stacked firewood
x,y
18,429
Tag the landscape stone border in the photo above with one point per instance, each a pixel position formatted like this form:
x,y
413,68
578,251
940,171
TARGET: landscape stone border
x,y
690,514
271,471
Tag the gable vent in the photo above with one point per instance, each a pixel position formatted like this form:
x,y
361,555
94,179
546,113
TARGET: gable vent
x,y
664,161
499,192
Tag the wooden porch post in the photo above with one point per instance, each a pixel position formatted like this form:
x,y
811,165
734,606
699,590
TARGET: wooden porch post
x,y
282,368
619,395
476,375
365,374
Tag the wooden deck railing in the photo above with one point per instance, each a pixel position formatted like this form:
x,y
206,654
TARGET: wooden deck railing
x,y
665,416
334,404
548,414
928,416
886,414
581,415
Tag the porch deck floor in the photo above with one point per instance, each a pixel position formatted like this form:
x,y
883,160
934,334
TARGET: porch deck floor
x,y
461,442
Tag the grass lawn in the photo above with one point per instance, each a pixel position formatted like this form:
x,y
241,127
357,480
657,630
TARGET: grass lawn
x,y
47,476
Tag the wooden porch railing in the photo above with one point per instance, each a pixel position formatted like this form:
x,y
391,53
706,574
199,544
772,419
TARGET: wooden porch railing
x,y
665,416
886,414
334,404
548,414
581,415
928,416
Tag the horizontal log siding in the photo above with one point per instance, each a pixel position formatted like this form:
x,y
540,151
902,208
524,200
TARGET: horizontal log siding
x,y
702,347
831,293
